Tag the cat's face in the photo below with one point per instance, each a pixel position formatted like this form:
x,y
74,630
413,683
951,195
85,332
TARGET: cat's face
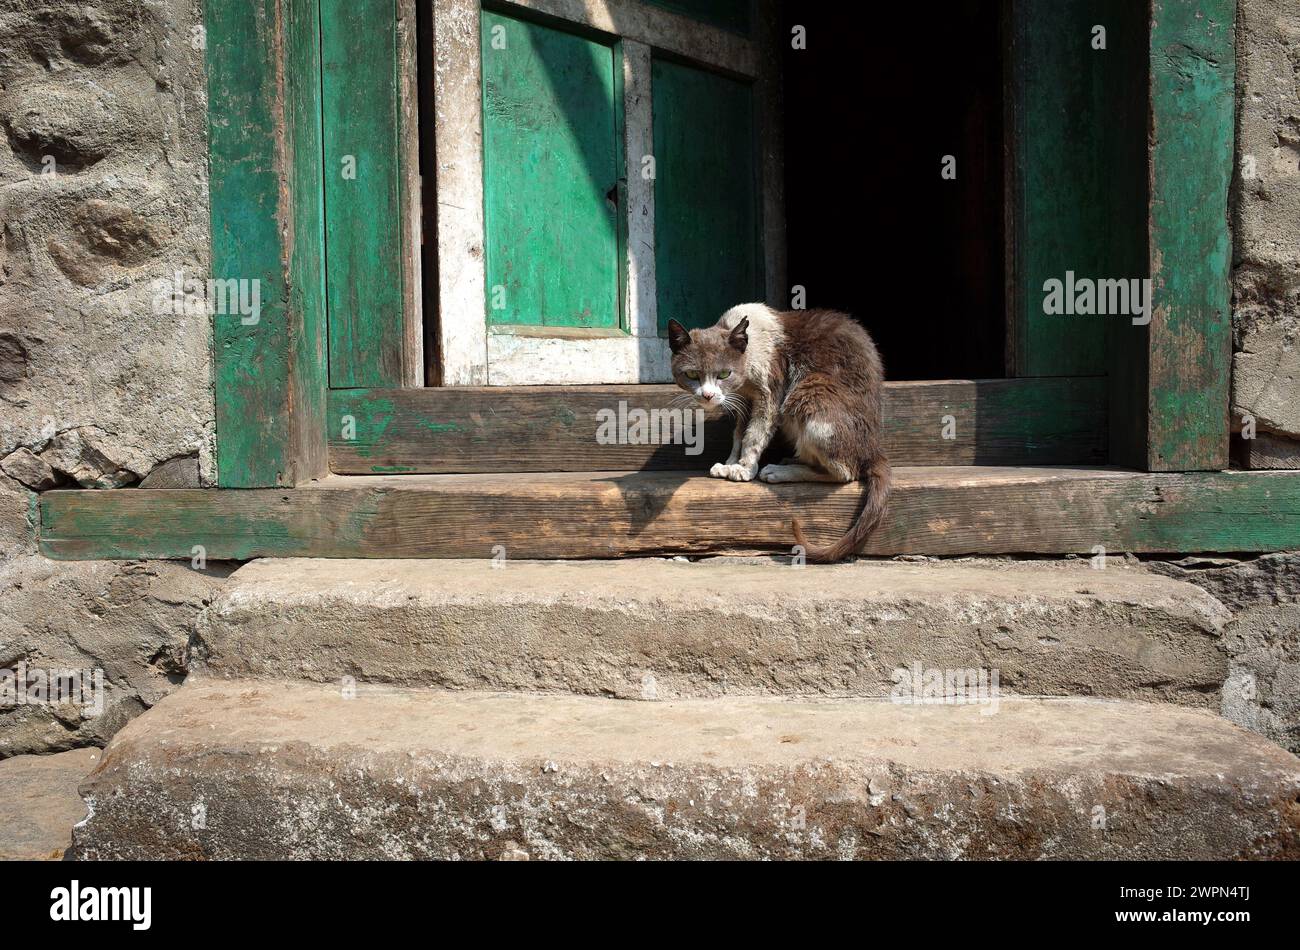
x,y
709,364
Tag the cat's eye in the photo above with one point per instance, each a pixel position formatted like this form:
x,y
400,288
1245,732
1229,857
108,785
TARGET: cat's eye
x,y
691,374
724,374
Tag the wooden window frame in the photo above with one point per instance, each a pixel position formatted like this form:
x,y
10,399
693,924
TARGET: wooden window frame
x,y
474,354
276,416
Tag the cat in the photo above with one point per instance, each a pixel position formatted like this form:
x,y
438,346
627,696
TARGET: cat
x,y
813,374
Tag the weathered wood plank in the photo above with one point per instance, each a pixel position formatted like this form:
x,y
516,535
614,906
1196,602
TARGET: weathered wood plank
x,y
993,422
412,193
935,511
1193,71
251,351
663,29
309,372
457,178
365,237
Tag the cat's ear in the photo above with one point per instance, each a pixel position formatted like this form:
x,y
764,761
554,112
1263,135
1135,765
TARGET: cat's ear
x,y
678,336
739,338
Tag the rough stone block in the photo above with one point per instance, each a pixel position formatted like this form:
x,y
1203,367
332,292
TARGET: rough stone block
x,y
663,629
39,803
274,770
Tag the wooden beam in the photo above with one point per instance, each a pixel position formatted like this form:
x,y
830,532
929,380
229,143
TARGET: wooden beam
x,y
993,422
713,46
458,180
412,194
934,511
308,370
1189,340
251,358
265,201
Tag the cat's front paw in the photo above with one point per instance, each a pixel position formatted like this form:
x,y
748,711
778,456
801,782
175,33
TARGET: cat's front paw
x,y
741,473
719,470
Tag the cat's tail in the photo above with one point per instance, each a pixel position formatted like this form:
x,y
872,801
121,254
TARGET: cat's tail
x,y
877,475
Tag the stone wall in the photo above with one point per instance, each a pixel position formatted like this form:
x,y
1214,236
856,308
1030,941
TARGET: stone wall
x,y
103,192
1261,642
1266,227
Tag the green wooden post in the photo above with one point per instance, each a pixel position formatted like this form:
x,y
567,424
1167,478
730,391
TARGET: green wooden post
x,y
251,358
264,118
1189,340
309,371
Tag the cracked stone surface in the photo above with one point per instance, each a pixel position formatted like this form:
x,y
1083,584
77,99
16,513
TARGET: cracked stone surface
x,y
723,626
39,803
103,192
1266,276
132,620
275,770
1262,642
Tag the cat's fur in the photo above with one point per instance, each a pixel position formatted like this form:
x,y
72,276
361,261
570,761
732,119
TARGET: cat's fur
x,y
813,374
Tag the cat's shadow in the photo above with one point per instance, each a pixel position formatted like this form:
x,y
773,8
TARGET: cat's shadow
x,y
696,526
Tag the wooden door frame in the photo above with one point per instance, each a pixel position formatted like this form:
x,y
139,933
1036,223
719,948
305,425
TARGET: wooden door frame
x,y
265,152
1170,378
276,415
471,352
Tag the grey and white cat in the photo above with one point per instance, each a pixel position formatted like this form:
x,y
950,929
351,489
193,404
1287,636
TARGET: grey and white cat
x,y
816,376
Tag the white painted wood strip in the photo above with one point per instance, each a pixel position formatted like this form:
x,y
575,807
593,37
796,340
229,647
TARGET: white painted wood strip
x,y
545,361
412,209
458,119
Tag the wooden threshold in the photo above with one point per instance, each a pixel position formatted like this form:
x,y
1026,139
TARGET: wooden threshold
x,y
934,510
1048,421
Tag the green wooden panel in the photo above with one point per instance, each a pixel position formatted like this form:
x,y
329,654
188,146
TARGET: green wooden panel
x,y
364,239
707,247
1192,109
254,434
734,15
551,168
1079,176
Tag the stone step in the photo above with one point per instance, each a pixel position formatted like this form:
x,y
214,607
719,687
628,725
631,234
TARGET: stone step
x,y
662,629
277,769
39,803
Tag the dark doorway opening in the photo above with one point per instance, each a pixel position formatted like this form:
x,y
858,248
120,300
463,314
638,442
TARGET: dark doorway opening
x,y
872,106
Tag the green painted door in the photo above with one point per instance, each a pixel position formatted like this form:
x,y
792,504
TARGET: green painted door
x,y
364,242
1080,191
707,246
551,169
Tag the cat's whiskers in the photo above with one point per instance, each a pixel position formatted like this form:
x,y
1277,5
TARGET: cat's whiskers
x,y
736,406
